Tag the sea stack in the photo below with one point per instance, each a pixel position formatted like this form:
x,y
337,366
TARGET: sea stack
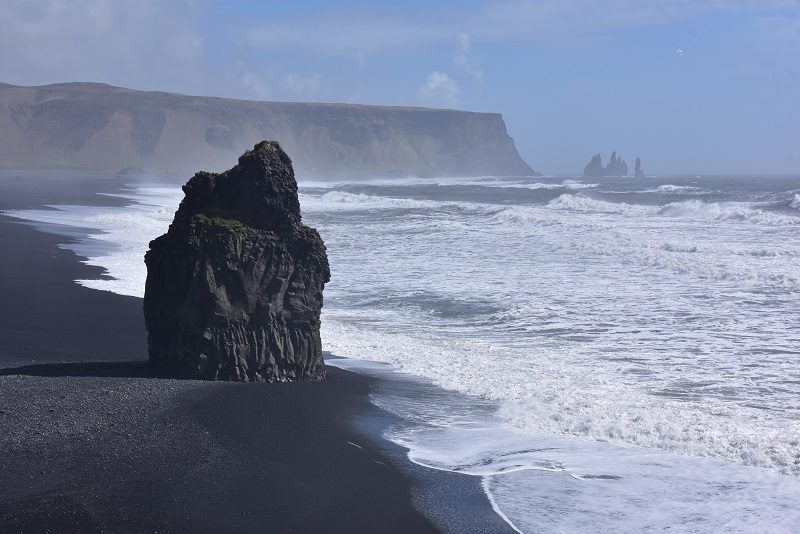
x,y
234,288
616,166
638,172
595,169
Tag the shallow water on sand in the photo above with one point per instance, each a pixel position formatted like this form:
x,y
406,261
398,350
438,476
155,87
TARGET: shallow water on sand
x,y
630,346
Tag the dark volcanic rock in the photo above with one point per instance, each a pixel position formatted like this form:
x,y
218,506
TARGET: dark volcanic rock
x,y
638,172
616,167
234,288
595,167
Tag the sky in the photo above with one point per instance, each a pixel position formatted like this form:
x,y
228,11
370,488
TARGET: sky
x,y
690,86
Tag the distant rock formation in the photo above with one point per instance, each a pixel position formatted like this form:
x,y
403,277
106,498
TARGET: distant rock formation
x,y
638,172
234,288
616,167
97,127
594,168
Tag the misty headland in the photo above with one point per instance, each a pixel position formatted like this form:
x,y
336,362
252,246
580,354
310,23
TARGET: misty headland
x,y
94,127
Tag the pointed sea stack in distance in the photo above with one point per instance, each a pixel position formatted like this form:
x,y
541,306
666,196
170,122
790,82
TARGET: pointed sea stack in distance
x,y
234,288
638,172
595,169
616,166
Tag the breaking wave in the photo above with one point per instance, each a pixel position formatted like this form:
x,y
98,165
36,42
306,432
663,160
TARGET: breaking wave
x,y
617,352
724,211
687,209
342,200
670,188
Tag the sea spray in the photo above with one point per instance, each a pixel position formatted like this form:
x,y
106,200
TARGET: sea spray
x,y
594,322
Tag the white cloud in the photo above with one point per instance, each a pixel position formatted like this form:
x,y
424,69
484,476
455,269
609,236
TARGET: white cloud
x,y
360,57
343,31
142,43
305,86
553,21
462,59
256,85
439,89
166,45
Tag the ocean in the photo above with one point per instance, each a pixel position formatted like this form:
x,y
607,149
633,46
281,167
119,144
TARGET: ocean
x,y
610,354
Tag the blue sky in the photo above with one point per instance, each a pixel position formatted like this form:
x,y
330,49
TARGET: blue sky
x,y
571,77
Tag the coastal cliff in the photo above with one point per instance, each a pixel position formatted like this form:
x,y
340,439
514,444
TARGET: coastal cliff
x,y
234,288
97,127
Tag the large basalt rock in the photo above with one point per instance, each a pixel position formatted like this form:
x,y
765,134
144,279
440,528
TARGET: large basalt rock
x,y
234,288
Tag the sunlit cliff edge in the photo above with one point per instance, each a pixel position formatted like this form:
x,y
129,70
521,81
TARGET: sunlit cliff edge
x,y
97,127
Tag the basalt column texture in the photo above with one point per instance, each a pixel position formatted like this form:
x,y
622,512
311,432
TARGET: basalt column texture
x,y
234,288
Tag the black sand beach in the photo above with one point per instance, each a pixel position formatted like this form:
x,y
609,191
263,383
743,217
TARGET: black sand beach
x,y
89,442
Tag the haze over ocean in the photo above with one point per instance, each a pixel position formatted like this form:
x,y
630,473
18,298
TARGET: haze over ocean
x,y
571,78
626,346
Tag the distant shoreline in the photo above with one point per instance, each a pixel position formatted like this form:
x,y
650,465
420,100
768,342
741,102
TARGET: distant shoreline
x,y
102,127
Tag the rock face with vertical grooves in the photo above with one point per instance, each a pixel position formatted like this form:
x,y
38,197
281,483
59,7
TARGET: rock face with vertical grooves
x,y
234,288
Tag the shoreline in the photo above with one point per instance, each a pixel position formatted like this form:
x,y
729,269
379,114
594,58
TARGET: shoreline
x,y
91,442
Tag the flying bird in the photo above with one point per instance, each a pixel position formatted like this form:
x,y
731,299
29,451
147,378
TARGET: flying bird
x,y
678,51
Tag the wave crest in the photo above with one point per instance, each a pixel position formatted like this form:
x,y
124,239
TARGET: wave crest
x,y
686,209
670,188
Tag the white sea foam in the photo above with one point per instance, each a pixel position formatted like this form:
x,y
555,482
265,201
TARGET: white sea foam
x,y
575,184
720,211
569,201
344,201
668,329
564,184
671,188
551,484
688,209
524,184
488,181
118,237
573,399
